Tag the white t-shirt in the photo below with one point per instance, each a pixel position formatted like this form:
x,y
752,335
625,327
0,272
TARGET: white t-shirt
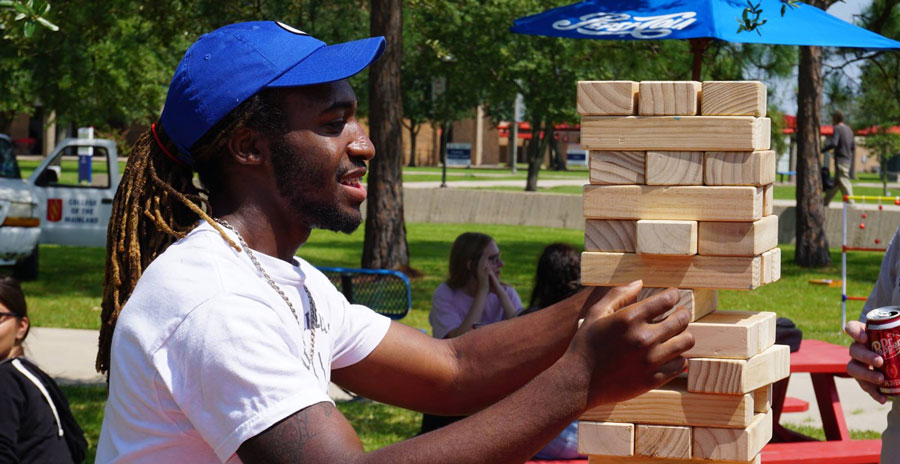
x,y
206,354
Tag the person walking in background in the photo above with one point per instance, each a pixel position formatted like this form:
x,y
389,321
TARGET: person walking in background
x,y
844,149
36,425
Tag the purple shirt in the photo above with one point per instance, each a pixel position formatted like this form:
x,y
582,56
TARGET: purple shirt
x,y
449,307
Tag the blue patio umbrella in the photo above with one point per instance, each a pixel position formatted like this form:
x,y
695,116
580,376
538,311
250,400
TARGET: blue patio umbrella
x,y
698,21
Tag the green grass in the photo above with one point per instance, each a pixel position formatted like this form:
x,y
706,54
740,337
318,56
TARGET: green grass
x,y
789,192
378,425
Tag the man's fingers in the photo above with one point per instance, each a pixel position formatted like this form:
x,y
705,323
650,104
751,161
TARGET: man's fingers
x,y
620,297
873,391
862,373
669,370
863,354
857,331
671,348
657,305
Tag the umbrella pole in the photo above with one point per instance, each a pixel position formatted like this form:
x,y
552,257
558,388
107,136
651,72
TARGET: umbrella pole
x,y
698,47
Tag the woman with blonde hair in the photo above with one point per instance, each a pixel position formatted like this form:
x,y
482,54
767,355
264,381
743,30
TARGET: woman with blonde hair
x,y
473,294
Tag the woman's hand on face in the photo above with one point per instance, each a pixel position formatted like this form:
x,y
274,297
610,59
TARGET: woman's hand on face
x,y
496,286
483,274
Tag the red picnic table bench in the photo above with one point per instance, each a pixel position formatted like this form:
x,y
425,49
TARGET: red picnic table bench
x,y
823,361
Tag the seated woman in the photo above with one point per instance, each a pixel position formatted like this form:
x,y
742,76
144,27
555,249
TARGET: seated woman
x,y
558,277
36,425
472,296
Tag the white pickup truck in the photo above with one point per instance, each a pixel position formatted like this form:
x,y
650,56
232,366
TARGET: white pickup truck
x,y
55,204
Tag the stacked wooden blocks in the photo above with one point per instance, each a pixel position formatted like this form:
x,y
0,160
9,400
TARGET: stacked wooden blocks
x,y
681,196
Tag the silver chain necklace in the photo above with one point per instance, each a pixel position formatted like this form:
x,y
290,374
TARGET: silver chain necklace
x,y
311,320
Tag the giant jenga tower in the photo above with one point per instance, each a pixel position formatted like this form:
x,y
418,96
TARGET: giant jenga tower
x,y
681,196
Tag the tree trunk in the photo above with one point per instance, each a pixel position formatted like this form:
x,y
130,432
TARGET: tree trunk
x,y
812,244
385,244
536,150
413,131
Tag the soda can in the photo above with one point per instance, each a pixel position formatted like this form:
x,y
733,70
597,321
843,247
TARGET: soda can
x,y
883,331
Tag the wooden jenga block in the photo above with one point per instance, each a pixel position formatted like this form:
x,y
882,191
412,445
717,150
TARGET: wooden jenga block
x,y
669,98
700,301
732,334
665,237
733,98
672,404
733,444
688,203
739,376
606,438
608,269
768,199
610,235
762,399
617,167
674,168
737,238
654,460
607,97
739,168
663,441
771,266
675,133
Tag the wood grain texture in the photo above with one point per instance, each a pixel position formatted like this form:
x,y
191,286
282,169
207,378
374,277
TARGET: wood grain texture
x,y
674,168
688,203
762,399
700,301
669,98
652,460
608,269
768,195
732,334
666,237
739,168
610,235
771,266
607,97
606,438
735,98
733,444
738,238
617,167
739,376
663,441
672,404
675,133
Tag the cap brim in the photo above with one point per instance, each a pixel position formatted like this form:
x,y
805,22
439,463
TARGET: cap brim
x,y
332,63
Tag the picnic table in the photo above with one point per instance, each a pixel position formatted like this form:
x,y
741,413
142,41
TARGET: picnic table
x,y
823,361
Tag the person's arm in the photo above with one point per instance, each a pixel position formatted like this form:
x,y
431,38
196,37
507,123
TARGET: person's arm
x,y
12,402
509,308
863,359
476,310
613,356
833,141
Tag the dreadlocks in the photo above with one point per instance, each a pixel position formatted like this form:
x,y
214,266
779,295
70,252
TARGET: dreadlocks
x,y
159,202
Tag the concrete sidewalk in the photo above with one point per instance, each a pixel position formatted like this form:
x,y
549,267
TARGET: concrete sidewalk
x,y
68,356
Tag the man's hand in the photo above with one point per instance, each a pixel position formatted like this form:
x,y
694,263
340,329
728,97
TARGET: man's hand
x,y
863,360
627,352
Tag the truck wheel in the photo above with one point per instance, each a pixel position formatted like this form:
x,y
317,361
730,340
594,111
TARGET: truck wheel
x,y
27,269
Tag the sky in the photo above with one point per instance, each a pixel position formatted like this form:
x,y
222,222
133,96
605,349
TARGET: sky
x,y
784,89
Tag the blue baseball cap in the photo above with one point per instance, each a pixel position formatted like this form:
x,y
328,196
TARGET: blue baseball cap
x,y
231,64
